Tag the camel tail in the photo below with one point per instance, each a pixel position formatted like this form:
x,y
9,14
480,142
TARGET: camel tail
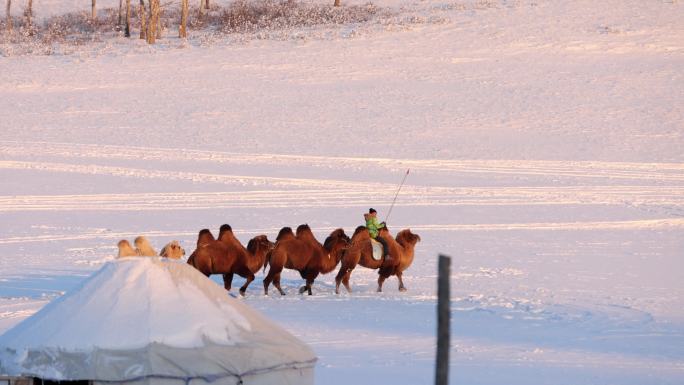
x,y
266,260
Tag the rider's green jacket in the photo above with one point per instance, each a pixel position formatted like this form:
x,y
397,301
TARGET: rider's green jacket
x,y
373,226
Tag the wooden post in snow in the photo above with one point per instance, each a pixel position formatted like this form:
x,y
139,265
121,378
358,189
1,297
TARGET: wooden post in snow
x,y
93,10
182,28
443,321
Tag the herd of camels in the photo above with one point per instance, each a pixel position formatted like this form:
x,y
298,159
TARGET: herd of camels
x,y
292,250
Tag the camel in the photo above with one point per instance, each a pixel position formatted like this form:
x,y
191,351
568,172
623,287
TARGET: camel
x,y
227,256
125,249
360,252
172,250
143,247
306,255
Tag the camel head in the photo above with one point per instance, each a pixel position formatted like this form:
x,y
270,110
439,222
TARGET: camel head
x,y
205,236
125,249
337,243
260,243
406,237
172,250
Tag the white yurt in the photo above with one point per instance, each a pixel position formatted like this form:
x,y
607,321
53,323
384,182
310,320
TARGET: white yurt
x,y
151,320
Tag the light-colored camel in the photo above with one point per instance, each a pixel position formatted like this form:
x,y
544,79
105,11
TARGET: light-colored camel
x,y
172,250
306,255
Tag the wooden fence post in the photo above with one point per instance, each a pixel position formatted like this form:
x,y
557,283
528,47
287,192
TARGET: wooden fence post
x,y
443,321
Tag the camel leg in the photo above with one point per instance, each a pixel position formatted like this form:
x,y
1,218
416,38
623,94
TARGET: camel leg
x,y
381,280
269,278
243,289
339,277
276,283
401,282
345,281
304,288
228,280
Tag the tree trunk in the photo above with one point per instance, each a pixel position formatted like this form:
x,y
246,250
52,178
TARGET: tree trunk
x,y
94,10
337,3
9,16
206,3
153,22
120,13
128,19
142,15
182,29
201,9
158,18
29,16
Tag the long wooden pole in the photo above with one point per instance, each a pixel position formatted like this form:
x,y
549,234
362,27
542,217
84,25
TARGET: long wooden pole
x,y
443,321
397,194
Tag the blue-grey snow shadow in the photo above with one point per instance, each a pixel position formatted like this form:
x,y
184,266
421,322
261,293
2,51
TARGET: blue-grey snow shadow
x,y
591,327
39,285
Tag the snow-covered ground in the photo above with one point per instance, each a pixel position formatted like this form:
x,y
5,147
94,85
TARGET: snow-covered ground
x,y
545,141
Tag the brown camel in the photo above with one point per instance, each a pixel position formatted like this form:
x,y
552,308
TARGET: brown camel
x,y
360,252
305,254
227,256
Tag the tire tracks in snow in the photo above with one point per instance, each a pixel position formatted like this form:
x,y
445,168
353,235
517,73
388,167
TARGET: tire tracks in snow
x,y
673,172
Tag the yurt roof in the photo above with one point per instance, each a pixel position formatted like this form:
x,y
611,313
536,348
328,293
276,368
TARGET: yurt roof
x,y
146,317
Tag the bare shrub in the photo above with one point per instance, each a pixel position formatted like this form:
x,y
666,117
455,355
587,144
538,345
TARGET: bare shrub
x,y
251,16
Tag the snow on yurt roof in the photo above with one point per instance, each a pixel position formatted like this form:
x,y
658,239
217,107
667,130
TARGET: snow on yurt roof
x,y
146,317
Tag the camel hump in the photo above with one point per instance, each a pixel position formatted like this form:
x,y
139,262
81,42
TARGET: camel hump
x,y
125,249
204,236
143,247
285,233
359,230
303,230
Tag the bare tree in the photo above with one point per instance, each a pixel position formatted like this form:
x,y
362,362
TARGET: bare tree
x,y
158,18
120,12
182,28
127,32
93,10
153,22
201,8
28,13
9,16
142,15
